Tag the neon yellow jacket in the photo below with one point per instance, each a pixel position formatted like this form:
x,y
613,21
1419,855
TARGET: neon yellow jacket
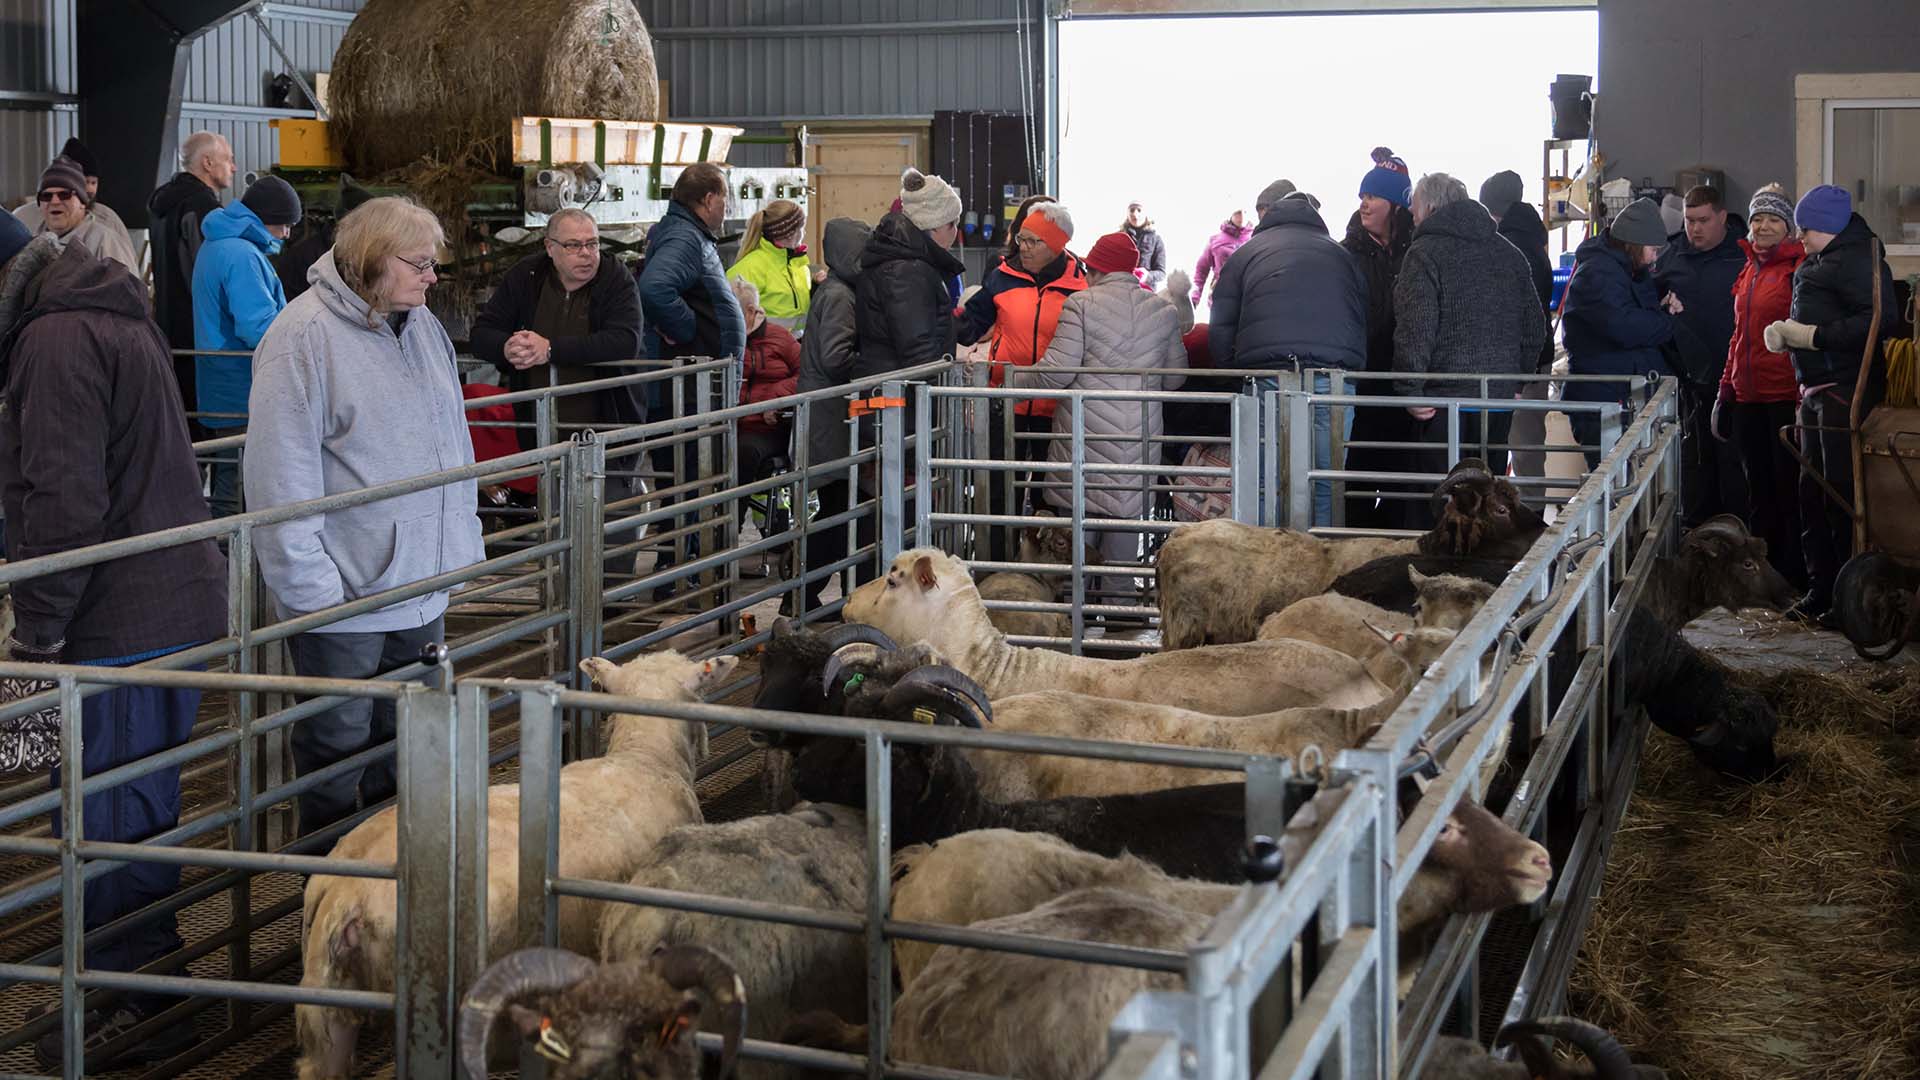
x,y
784,278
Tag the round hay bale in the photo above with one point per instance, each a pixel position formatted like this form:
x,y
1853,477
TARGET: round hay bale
x,y
443,79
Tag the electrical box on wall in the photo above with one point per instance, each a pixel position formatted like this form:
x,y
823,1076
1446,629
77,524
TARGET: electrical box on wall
x,y
984,156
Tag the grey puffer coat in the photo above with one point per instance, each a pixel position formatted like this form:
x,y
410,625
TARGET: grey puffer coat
x,y
1113,323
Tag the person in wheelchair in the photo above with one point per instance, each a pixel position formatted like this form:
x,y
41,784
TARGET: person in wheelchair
x,y
771,370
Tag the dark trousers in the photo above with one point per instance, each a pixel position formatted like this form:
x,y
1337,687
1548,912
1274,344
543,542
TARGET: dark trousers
x,y
1378,424
1826,528
1418,513
119,726
224,498
828,546
356,725
757,449
1586,432
1773,480
1711,478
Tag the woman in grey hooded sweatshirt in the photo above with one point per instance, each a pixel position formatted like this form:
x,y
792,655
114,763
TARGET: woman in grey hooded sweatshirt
x,y
355,385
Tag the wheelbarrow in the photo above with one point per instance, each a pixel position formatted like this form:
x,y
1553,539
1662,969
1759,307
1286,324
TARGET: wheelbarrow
x,y
1876,598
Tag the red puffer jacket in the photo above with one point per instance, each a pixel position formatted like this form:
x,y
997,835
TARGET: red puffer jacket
x,y
1762,294
772,370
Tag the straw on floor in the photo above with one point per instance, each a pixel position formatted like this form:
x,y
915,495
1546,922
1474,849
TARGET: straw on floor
x,y
1754,933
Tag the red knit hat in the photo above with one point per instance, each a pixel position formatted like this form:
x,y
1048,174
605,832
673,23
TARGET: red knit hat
x,y
1113,253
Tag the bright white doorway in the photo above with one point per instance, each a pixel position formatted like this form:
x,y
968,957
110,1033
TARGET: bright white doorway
x,y
1194,116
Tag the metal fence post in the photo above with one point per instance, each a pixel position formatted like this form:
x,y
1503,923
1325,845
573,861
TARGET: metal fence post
x,y
73,924
893,476
1077,456
1246,460
242,707
471,933
1299,459
424,867
586,520
879,878
923,464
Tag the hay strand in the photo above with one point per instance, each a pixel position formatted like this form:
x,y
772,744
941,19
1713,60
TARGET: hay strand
x,y
1752,933
442,80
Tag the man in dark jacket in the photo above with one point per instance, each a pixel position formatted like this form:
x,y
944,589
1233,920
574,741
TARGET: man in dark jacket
x,y
1833,319
827,356
1519,224
685,301
177,208
1464,304
94,448
1613,320
557,313
1698,269
1377,237
1291,295
1146,239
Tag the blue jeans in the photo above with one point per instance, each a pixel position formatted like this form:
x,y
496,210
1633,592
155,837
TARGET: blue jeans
x,y
122,725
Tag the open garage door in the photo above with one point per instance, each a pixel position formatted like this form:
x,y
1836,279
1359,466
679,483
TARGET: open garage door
x,y
1194,113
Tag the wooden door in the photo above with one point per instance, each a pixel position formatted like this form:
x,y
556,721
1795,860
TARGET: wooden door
x,y
856,174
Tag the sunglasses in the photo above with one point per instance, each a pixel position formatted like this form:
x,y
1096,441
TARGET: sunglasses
x,y
56,195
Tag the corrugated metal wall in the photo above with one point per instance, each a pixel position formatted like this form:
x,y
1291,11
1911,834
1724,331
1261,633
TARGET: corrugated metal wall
x,y
38,62
230,66
763,62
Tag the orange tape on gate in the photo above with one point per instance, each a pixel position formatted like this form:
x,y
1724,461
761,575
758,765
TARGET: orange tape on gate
x,y
863,406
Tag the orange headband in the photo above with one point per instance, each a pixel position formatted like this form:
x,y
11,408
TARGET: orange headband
x,y
1045,229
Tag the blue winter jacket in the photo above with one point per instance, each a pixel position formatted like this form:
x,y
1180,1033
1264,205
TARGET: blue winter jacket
x,y
684,293
1613,321
1290,291
236,295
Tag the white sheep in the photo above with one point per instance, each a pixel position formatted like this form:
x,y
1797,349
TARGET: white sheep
x,y
929,596
613,809
813,856
1353,626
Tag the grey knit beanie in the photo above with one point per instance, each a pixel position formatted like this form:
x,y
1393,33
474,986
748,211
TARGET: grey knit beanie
x,y
1271,195
1639,223
1501,190
928,201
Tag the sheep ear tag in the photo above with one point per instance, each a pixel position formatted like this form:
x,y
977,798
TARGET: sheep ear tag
x,y
924,715
551,1044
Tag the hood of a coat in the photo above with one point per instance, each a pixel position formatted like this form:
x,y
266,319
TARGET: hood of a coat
x,y
81,281
1234,232
1464,220
1291,212
239,220
324,278
1522,225
842,242
169,196
897,239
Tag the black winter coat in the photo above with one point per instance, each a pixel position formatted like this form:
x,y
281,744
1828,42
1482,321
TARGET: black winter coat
x,y
1290,292
1833,293
1522,227
93,448
613,321
1464,303
1613,323
177,208
832,342
1703,280
904,312
1153,252
1379,265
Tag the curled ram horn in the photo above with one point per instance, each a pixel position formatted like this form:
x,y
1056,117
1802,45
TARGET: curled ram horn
x,y
696,967
945,686
1610,1060
1469,470
523,974
1728,530
858,634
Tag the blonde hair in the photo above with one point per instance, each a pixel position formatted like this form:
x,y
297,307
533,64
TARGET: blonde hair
x,y
376,229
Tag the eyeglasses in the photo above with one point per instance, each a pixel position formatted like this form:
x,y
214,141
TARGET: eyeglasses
x,y
423,267
57,195
576,247
1026,241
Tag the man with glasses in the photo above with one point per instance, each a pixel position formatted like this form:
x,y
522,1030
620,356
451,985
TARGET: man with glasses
x,y
63,203
556,315
30,215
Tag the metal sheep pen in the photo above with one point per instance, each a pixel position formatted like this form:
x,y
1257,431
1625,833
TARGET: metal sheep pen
x,y
565,553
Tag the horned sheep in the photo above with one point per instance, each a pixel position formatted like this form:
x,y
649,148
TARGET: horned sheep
x,y
613,809
1218,579
929,596
813,856
592,1021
